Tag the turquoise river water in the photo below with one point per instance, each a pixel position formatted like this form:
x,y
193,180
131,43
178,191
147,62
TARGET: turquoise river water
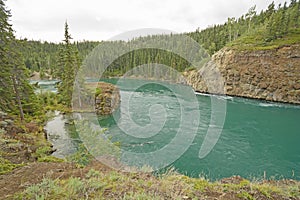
x,y
258,138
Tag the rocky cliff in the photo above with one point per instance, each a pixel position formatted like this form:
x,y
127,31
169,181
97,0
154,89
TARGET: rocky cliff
x,y
272,75
107,98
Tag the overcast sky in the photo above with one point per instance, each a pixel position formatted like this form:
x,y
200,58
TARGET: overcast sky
x,y
103,19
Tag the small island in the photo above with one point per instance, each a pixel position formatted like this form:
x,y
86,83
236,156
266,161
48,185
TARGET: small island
x,y
107,98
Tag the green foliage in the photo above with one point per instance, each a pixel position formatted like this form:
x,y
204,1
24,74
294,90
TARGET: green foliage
x,y
16,94
257,42
93,173
112,184
6,166
245,195
98,61
190,69
98,91
43,56
47,188
42,152
267,30
74,186
50,159
81,157
50,102
68,66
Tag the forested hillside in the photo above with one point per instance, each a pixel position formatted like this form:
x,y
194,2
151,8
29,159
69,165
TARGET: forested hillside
x,y
278,24
43,56
275,26
16,94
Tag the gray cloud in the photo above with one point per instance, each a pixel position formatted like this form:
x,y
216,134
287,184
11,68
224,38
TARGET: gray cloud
x,y
102,19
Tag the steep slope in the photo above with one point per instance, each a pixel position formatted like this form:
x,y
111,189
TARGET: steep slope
x,y
272,75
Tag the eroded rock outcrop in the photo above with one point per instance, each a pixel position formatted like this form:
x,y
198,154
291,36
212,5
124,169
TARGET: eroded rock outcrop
x,y
107,98
272,75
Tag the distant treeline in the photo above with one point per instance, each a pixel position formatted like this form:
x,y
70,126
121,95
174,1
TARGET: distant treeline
x,y
43,57
268,26
277,25
260,29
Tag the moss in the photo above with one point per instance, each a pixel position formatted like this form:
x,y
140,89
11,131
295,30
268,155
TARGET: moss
x,y
245,195
42,154
6,166
201,185
268,190
50,159
42,151
98,91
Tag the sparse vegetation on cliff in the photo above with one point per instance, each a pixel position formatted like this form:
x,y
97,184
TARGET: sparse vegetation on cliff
x,y
276,26
271,75
257,41
111,184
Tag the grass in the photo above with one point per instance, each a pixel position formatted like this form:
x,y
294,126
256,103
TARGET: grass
x,y
29,145
42,154
81,157
257,41
6,166
117,185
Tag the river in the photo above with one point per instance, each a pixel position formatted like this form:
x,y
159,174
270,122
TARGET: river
x,y
257,139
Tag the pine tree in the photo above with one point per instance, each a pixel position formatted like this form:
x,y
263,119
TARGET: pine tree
x,y
69,65
270,10
251,13
16,94
5,36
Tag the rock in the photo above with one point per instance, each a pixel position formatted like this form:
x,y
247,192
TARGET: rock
x,y
263,85
297,86
108,98
263,74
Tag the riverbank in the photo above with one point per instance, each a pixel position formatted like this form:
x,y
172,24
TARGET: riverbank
x,y
271,74
22,142
96,181
32,173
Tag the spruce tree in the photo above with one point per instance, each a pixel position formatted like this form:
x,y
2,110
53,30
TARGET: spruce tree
x,y
69,64
251,13
16,94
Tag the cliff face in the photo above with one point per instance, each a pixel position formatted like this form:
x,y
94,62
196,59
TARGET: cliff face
x,y
265,74
107,100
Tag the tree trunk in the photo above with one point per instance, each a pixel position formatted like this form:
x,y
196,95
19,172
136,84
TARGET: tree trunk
x,y
18,98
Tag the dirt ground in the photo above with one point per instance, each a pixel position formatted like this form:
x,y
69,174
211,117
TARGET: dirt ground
x,y
33,173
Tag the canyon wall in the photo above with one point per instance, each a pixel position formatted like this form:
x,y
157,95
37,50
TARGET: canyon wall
x,y
272,75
